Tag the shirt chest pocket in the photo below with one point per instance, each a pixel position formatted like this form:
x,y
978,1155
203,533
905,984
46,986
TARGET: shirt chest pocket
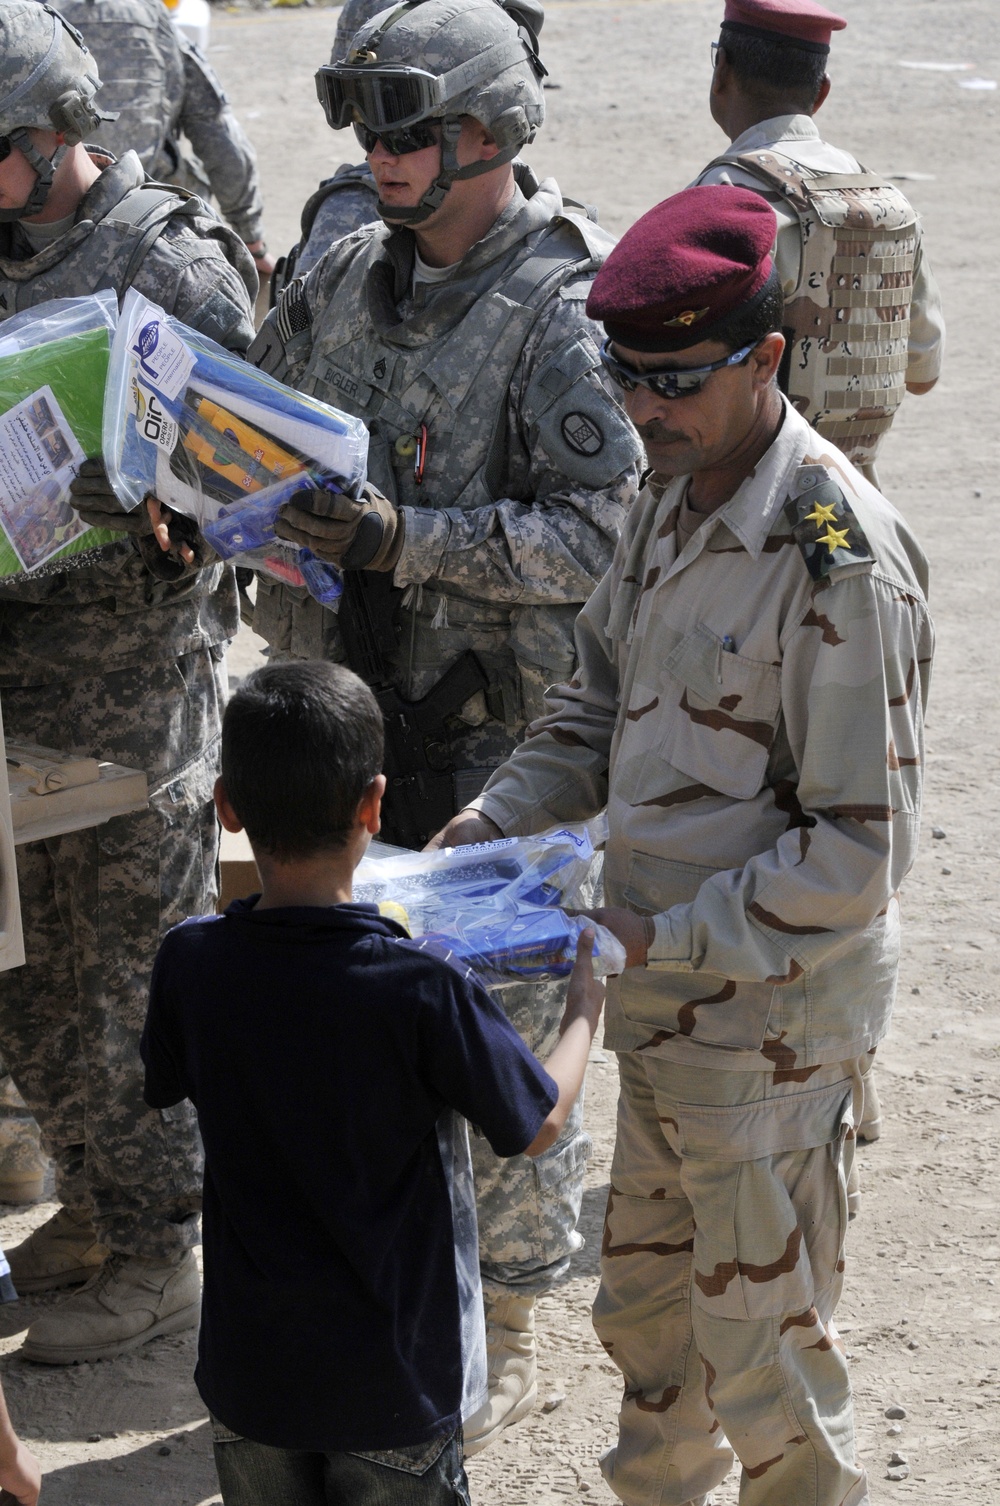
x,y
719,718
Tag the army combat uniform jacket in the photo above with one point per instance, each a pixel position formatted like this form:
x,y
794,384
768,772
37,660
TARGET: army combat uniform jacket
x,y
751,709
160,86
529,465
110,613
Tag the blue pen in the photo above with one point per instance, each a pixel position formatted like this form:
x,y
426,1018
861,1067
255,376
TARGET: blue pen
x,y
728,645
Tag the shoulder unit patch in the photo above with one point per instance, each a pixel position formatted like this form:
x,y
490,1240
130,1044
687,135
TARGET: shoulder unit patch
x,y
825,527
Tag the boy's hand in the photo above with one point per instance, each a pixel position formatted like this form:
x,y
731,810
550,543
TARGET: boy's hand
x,y
20,1477
585,996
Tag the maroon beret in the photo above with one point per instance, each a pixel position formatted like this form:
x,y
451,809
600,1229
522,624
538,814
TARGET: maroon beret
x,y
684,267
801,21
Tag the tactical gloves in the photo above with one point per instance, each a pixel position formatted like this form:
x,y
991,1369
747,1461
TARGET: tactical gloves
x,y
364,533
94,499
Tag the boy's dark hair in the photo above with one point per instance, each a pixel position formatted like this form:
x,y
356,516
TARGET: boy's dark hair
x,y
300,745
774,73
762,315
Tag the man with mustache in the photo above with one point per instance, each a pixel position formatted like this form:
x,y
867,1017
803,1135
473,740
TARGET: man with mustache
x,y
748,703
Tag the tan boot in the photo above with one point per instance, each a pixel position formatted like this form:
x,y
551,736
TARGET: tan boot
x,y
23,1164
511,1373
64,1251
131,1300
870,1127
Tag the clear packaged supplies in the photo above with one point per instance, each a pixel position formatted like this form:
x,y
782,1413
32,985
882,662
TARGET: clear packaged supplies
x,y
221,442
498,907
53,369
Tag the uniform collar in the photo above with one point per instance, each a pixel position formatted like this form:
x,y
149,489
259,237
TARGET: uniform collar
x,y
770,132
107,191
750,512
442,305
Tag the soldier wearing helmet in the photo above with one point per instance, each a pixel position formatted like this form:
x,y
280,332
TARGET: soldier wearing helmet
x,y
119,654
348,200
160,87
851,358
504,469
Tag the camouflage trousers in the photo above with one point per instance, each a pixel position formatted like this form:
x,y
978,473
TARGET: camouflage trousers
x,y
528,1208
94,907
721,1267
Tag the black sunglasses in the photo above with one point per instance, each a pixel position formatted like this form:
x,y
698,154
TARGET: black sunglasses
x,y
398,143
672,381
6,147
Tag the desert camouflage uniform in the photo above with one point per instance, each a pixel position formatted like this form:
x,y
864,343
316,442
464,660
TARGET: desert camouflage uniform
x,y
100,658
750,708
161,87
509,532
846,381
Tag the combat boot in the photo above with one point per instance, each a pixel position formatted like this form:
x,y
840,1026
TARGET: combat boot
x,y
64,1251
132,1299
870,1127
23,1164
511,1372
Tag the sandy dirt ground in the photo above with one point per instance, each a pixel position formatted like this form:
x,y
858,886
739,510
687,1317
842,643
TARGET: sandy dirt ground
x,y
628,124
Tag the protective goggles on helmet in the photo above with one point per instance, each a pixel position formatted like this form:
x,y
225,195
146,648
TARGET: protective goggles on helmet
x,y
382,98
401,142
397,95
668,382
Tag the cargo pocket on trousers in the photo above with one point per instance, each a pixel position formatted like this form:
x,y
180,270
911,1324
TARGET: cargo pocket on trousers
x,y
559,1185
189,839
763,1183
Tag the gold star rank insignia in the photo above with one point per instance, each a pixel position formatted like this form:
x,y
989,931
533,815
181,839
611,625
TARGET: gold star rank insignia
x,y
824,524
821,513
835,538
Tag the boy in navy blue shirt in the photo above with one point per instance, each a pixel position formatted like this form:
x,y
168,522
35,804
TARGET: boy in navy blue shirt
x,y
325,1053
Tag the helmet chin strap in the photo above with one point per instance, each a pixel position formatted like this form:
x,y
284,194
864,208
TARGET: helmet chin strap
x,y
451,172
44,169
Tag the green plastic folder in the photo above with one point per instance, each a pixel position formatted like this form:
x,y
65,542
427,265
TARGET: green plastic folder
x,y
34,442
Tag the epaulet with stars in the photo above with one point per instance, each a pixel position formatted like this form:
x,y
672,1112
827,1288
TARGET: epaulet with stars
x,y
824,526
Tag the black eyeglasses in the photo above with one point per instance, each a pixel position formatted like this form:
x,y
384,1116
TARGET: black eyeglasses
x,y
669,382
6,147
399,142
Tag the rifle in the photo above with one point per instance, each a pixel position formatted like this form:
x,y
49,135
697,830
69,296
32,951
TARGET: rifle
x,y
419,767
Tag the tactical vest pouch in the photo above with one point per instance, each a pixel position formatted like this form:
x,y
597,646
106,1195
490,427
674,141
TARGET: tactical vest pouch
x,y
848,321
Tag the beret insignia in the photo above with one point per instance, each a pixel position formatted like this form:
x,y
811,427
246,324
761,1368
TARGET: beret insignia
x,y
688,317
825,527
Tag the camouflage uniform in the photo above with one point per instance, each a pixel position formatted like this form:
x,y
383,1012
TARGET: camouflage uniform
x,y
530,468
101,658
340,205
763,783
161,86
849,388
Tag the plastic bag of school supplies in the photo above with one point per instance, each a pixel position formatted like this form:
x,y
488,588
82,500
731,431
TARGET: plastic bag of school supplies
x,y
53,370
221,442
497,907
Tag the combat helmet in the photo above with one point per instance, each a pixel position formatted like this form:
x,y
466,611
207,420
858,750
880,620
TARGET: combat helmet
x,y
48,80
434,61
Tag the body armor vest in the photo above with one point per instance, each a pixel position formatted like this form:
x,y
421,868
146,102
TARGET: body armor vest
x,y
453,385
847,323
433,390
94,256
